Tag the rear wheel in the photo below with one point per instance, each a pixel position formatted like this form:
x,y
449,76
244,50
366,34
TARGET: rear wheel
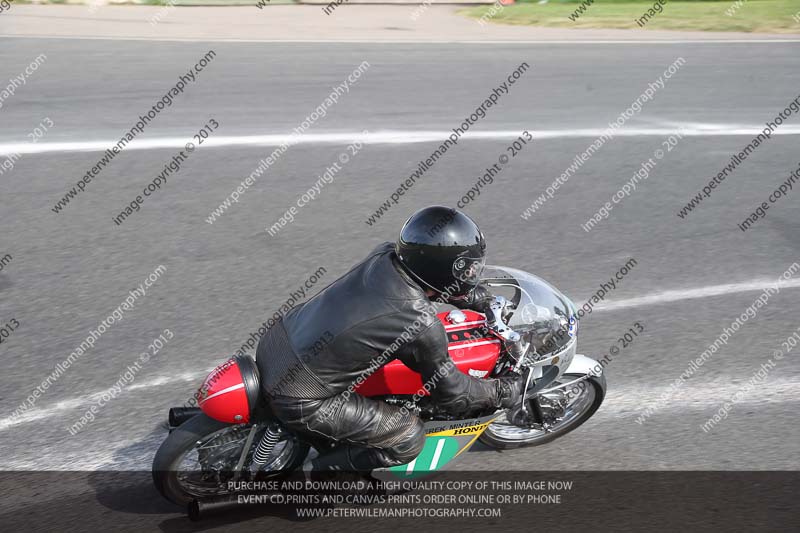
x,y
563,411
200,456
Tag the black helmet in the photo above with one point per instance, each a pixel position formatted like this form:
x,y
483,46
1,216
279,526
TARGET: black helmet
x,y
443,249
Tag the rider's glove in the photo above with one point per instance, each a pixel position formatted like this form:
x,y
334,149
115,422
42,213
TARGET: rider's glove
x,y
479,299
511,390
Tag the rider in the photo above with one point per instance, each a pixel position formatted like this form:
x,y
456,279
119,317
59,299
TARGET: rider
x,y
379,311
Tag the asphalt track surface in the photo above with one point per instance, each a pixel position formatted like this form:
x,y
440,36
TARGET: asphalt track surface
x,y
71,270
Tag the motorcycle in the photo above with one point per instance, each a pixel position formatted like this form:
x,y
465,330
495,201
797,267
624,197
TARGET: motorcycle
x,y
530,330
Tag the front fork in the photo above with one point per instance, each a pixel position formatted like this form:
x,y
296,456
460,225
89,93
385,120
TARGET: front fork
x,y
530,408
535,408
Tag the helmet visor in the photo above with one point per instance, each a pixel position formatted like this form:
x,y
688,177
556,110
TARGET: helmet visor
x,y
467,272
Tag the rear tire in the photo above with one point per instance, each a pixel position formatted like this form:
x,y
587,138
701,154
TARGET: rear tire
x,y
181,441
495,437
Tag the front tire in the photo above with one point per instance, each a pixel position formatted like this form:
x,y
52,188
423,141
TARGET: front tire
x,y
191,436
505,436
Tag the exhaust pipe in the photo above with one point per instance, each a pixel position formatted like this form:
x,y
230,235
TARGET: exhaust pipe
x,y
179,415
200,509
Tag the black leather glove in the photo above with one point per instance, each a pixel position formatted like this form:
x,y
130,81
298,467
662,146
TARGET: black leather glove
x,y
479,299
511,390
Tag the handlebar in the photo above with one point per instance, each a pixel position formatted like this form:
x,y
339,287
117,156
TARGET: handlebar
x,y
496,324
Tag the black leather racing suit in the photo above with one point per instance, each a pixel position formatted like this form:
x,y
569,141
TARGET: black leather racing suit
x,y
373,314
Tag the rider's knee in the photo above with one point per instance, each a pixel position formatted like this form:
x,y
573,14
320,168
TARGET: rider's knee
x,y
411,445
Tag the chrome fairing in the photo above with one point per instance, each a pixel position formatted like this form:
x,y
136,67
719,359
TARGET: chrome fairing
x,y
541,314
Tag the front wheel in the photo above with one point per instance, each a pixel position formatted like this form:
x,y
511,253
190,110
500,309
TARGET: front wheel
x,y
563,410
200,456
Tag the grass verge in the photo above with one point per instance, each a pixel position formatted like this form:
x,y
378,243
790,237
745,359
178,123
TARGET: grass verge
x,y
767,16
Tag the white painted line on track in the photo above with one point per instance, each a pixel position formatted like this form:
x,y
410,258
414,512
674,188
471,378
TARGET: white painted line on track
x,y
35,414
395,41
650,299
389,137
702,394
622,403
693,294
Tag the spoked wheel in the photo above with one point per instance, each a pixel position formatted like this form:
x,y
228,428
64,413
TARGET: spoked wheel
x,y
200,457
562,411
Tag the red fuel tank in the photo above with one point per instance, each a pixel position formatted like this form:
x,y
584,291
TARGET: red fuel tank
x,y
473,349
